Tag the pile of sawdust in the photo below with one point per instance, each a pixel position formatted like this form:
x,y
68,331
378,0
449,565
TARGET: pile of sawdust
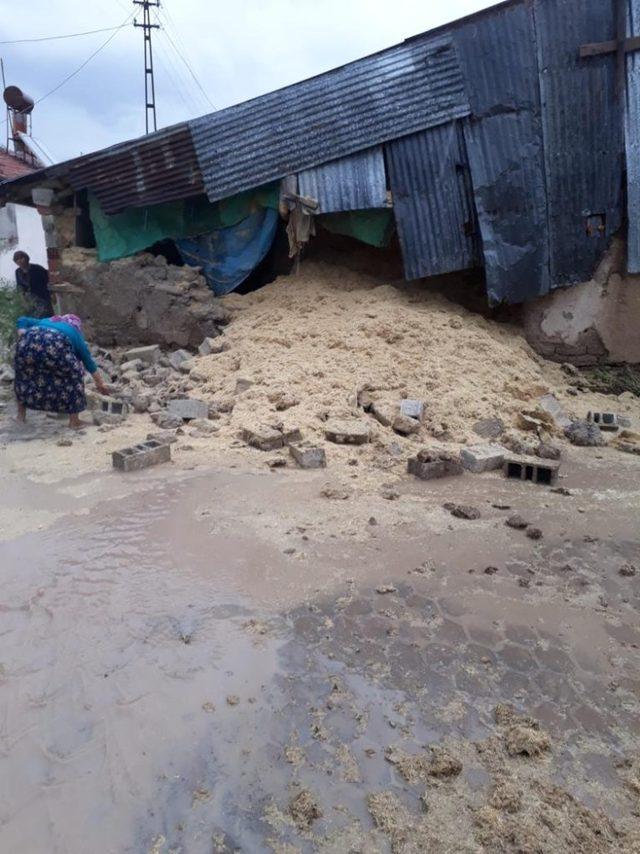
x,y
304,348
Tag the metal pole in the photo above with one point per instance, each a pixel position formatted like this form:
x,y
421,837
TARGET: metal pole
x,y
149,83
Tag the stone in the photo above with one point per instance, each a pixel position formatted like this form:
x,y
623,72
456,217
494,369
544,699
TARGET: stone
x,y
64,443
141,401
149,453
188,408
132,367
166,421
347,432
627,570
164,437
531,468
148,355
412,408
385,413
336,491
430,464
383,589
534,533
488,428
583,434
101,418
242,385
211,346
516,522
7,374
462,511
481,458
308,456
547,451
176,358
405,425
202,426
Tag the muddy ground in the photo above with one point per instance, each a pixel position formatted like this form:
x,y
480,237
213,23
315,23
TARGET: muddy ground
x,y
200,658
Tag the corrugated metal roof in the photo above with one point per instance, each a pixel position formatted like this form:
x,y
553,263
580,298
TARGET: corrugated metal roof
x,y
399,91
632,141
349,184
158,168
582,132
505,148
433,202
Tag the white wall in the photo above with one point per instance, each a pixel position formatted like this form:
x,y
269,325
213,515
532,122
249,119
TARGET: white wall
x,y
30,239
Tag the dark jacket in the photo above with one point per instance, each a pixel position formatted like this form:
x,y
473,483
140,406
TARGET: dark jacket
x,y
34,284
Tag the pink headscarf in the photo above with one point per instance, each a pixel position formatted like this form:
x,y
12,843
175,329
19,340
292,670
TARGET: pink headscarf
x,y
71,319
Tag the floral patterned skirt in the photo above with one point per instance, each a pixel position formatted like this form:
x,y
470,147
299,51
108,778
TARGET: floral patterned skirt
x,y
49,375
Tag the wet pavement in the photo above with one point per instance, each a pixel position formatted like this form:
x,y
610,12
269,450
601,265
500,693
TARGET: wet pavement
x,y
179,664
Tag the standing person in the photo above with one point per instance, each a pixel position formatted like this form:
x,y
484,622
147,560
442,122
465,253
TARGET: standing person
x,y
51,357
33,281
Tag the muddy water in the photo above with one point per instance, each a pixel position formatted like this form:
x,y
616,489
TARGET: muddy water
x,y
177,665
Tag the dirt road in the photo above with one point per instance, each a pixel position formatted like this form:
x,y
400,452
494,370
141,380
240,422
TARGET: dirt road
x,y
224,660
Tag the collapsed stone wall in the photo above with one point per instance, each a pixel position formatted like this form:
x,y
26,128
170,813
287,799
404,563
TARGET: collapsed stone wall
x,y
141,299
595,322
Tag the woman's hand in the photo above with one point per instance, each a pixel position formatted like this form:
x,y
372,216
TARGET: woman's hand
x,y
102,387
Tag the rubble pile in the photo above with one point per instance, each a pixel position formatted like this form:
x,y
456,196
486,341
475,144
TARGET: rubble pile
x,y
141,299
347,366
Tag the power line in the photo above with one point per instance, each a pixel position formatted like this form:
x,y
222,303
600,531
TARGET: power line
x,y
84,64
68,36
189,68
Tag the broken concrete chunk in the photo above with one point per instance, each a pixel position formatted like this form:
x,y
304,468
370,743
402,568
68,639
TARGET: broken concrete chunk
x,y
430,464
210,346
242,385
547,451
177,358
308,456
480,458
149,355
412,408
188,408
347,432
167,421
133,366
263,437
550,404
405,425
462,511
101,418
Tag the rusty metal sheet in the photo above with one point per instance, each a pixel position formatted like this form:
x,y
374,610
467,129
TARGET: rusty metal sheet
x,y
352,183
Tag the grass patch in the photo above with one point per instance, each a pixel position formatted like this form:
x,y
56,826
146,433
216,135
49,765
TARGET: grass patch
x,y
12,306
613,380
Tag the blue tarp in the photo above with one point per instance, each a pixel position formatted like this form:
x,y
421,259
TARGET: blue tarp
x,y
228,255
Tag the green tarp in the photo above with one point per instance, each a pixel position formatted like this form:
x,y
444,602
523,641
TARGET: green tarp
x,y
374,226
138,228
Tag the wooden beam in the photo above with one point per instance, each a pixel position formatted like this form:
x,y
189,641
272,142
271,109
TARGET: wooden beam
x,y
600,48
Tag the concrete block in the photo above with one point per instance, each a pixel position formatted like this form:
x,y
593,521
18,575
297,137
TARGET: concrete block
x,y
544,472
149,355
412,408
430,464
188,408
480,458
210,346
347,432
604,420
308,456
111,405
176,358
141,456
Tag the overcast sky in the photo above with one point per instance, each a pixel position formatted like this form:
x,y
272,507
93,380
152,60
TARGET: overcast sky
x,y
237,50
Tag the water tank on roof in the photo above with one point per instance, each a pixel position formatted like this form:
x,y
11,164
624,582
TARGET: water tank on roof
x,y
18,100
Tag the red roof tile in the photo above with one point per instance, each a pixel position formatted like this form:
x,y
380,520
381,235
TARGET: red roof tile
x,y
12,167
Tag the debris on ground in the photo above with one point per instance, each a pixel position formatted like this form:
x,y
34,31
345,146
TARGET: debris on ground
x,y
462,511
516,521
304,809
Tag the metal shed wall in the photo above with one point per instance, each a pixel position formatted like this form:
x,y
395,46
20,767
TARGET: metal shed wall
x,y
632,141
350,184
433,202
399,91
583,121
504,142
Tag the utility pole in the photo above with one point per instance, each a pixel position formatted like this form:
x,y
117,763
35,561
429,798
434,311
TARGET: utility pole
x,y
149,85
